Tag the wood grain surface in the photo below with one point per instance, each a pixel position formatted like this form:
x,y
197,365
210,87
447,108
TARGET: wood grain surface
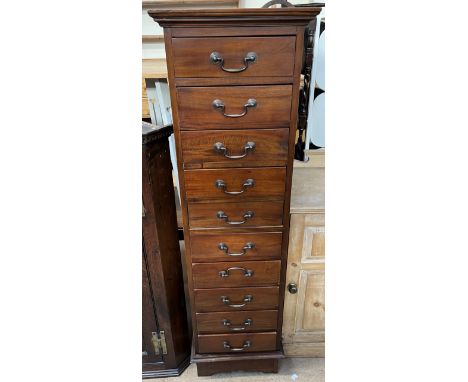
x,y
271,148
261,320
263,273
209,300
163,302
214,343
256,364
304,314
234,17
276,108
275,56
205,247
204,215
268,184
196,111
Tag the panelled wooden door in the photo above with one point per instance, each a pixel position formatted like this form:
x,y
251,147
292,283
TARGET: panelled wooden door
x,y
150,319
304,307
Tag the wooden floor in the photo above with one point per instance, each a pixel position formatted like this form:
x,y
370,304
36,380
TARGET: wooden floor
x,y
306,369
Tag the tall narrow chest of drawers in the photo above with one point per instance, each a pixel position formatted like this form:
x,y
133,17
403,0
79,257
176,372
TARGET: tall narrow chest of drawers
x,y
234,78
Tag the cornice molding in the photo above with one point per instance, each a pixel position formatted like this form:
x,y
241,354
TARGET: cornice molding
x,y
151,133
223,17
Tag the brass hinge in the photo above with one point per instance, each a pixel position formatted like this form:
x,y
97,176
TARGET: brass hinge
x,y
163,341
159,342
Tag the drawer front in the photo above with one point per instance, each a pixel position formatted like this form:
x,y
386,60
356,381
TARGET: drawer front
x,y
235,184
236,343
235,215
235,322
229,274
197,111
235,246
236,299
232,148
206,57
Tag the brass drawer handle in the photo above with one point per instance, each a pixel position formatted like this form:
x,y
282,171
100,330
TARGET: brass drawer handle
x,y
218,104
246,345
217,59
247,322
247,298
222,185
227,272
220,148
223,216
225,248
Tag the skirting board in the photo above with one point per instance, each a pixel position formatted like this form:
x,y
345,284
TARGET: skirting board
x,y
304,350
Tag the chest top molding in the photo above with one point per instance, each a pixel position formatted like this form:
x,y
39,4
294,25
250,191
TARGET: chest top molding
x,y
235,16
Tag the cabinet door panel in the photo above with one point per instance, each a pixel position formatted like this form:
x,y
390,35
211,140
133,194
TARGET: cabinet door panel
x,y
150,320
304,311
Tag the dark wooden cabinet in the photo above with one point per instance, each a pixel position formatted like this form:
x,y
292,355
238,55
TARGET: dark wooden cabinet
x,y
166,341
234,78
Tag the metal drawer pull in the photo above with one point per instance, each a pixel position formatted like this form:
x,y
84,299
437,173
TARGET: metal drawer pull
x,y
222,215
247,298
220,148
217,59
218,104
225,248
247,322
246,345
227,272
222,184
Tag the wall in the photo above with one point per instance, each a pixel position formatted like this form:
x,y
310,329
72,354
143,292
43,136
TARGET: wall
x,y
259,3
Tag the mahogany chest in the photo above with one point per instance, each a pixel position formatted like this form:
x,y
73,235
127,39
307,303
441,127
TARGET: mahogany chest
x,y
234,78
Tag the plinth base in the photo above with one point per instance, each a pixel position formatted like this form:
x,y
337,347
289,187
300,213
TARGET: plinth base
x,y
264,365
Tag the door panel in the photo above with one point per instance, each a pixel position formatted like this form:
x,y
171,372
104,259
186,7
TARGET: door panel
x,y
150,320
310,312
304,311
